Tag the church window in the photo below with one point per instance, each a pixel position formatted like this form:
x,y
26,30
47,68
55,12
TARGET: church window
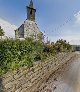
x,y
31,12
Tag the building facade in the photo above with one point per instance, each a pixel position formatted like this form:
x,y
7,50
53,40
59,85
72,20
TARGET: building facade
x,y
29,28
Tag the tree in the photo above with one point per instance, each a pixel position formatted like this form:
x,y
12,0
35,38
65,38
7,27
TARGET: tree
x,y
1,33
62,45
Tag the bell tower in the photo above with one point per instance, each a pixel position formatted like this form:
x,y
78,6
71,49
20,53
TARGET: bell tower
x,y
31,11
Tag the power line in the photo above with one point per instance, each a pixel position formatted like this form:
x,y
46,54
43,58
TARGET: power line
x,y
66,22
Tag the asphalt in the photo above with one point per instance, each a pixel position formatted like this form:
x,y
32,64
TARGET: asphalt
x,y
65,79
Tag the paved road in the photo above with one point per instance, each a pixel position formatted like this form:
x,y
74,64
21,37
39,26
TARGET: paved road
x,y
70,81
65,79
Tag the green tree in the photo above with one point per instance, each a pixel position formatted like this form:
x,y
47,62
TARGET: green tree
x,y
1,33
62,46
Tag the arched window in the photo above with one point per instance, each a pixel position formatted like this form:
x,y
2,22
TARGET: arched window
x,y
31,12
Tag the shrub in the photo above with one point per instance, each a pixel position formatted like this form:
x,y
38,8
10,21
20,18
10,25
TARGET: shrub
x,y
16,53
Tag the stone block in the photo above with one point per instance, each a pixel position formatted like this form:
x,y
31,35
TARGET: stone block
x,y
9,85
18,90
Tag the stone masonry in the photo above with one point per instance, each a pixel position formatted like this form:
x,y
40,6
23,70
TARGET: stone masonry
x,y
28,80
29,29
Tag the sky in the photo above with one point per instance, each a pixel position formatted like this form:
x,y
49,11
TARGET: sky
x,y
57,19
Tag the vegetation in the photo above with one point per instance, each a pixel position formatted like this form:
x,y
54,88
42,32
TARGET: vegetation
x,y
1,33
16,53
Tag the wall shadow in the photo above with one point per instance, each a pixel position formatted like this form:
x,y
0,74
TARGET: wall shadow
x,y
1,86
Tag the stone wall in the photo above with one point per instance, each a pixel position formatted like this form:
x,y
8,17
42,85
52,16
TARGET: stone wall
x,y
19,33
27,80
31,30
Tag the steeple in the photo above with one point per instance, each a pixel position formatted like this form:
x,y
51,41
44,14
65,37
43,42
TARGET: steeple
x,y
31,11
31,4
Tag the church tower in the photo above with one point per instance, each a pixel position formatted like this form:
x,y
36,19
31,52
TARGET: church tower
x,y
29,29
31,11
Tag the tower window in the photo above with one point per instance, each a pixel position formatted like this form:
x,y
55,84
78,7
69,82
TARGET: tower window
x,y
31,12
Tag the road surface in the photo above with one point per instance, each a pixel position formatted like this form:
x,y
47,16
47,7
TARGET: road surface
x,y
65,79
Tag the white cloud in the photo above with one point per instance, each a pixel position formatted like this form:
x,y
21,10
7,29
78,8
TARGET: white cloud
x,y
75,42
71,33
77,17
75,30
8,28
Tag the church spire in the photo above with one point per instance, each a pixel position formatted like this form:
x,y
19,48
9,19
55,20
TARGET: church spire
x,y
31,4
31,12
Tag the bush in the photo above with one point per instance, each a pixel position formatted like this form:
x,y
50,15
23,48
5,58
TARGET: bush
x,y
16,53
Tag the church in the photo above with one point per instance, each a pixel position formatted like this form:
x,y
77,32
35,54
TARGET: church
x,y
29,28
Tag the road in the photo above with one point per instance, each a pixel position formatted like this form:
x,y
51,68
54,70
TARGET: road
x,y
65,79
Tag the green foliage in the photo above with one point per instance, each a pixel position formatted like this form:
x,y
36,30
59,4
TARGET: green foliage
x,y
1,32
16,53
59,46
62,46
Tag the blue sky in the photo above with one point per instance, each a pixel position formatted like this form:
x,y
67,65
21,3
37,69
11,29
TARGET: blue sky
x,y
55,17
48,11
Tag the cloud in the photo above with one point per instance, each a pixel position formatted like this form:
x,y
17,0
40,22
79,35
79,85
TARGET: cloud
x,y
75,42
77,17
8,28
71,32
